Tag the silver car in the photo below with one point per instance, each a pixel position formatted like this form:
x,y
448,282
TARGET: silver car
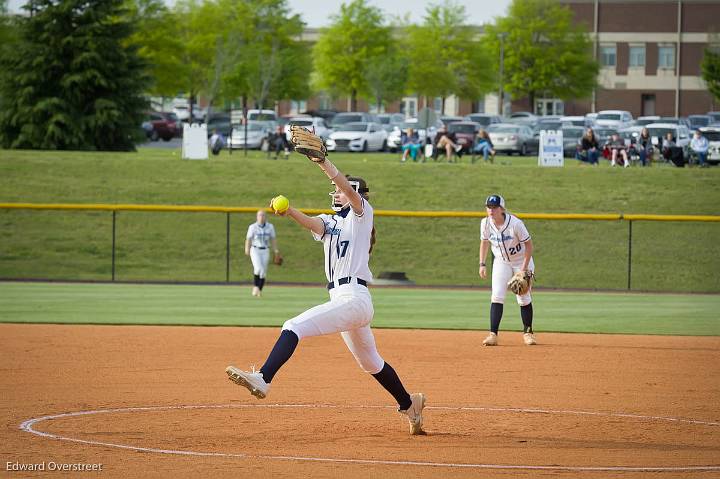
x,y
511,138
257,132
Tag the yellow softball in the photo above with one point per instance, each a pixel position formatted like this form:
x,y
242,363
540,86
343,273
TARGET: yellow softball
x,y
280,204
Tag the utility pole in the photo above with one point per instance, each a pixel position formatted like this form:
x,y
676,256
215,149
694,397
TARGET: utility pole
x,y
501,101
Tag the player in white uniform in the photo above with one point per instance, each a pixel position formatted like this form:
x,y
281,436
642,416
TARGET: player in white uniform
x,y
260,237
347,237
512,249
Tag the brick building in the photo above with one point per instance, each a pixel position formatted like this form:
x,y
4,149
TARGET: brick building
x,y
649,53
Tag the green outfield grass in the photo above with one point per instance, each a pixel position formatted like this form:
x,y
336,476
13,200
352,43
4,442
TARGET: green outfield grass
x,y
580,312
191,247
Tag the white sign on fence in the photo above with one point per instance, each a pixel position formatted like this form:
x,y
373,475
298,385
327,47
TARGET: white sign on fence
x,y
551,148
195,142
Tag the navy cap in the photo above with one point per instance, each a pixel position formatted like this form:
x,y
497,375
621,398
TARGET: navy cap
x,y
495,200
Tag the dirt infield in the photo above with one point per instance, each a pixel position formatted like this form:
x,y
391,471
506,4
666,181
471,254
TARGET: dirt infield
x,y
573,403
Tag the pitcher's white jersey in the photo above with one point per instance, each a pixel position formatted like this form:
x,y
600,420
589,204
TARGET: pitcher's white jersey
x,y
260,235
346,242
507,241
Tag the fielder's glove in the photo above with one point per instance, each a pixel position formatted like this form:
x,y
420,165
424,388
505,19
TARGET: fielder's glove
x,y
308,144
521,282
278,259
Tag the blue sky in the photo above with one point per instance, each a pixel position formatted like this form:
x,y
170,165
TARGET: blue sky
x,y
316,13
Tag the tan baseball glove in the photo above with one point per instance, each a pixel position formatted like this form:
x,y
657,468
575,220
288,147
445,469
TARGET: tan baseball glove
x,y
308,144
521,282
278,259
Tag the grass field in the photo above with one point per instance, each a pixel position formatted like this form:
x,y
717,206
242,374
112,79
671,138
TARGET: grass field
x,y
191,247
630,313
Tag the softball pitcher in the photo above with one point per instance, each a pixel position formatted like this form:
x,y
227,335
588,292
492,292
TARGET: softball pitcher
x,y
512,249
260,236
347,236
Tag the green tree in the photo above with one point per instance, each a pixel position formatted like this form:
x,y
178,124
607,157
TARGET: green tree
x,y
387,77
345,50
445,57
72,81
545,53
711,71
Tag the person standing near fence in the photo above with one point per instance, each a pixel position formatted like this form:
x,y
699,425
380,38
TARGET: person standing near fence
x,y
260,237
512,249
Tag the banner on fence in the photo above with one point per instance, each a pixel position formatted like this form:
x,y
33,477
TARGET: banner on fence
x,y
195,142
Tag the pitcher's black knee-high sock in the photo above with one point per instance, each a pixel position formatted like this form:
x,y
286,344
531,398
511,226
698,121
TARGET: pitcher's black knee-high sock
x,y
496,312
526,313
256,280
389,379
281,352
262,283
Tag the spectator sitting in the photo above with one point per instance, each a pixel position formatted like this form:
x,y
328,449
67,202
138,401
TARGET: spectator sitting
x,y
672,152
617,147
279,142
410,144
484,146
588,151
446,141
699,146
644,146
217,142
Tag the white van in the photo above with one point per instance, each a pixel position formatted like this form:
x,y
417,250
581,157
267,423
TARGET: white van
x,y
617,119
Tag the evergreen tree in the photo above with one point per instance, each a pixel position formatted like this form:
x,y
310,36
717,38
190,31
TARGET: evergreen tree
x,y
72,79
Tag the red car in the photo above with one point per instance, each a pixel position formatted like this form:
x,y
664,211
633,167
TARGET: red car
x,y
161,125
465,133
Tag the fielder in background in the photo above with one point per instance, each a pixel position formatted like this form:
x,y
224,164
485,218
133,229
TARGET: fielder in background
x,y
512,249
348,238
260,237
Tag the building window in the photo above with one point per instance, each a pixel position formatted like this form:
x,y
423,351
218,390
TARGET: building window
x,y
637,56
666,57
437,104
297,106
608,55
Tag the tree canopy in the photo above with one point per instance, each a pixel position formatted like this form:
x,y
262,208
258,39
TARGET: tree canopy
x,y
344,52
72,80
545,53
711,71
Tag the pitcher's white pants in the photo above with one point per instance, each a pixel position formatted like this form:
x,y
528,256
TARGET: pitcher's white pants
x,y
260,259
501,274
348,312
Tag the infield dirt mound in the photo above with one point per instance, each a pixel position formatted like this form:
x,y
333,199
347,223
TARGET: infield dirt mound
x,y
332,411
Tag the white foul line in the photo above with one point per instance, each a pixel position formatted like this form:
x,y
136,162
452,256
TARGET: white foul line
x,y
27,426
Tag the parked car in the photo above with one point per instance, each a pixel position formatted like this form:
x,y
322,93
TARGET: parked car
x,y
590,118
603,134
511,138
674,120
581,121
267,117
393,139
447,119
257,132
483,119
681,133
161,125
465,133
326,115
523,118
713,136
699,121
357,136
390,120
614,119
646,120
221,123
571,139
715,115
351,117
316,124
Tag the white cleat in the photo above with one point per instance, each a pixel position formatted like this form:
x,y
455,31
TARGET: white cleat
x,y
253,381
491,340
414,413
529,339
